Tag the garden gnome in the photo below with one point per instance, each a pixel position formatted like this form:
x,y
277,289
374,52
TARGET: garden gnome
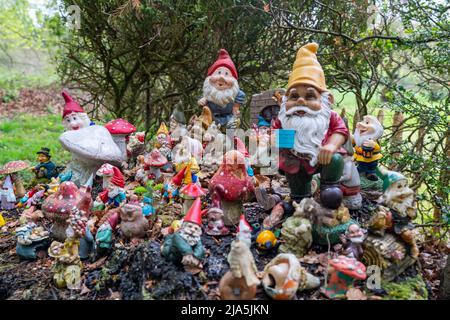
x,y
74,116
216,227
177,124
319,131
46,169
185,245
244,231
353,240
7,196
367,149
221,93
163,141
113,193
400,200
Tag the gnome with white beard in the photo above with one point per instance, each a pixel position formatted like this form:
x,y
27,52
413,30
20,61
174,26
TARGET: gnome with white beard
x,y
319,132
221,93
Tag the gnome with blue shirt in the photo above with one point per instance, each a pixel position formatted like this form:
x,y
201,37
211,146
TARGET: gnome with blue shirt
x,y
221,93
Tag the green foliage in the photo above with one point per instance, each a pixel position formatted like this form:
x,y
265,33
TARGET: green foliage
x,y
140,190
410,289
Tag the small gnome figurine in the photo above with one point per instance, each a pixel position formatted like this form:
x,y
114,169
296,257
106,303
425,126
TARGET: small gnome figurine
x,y
46,169
185,245
216,227
7,196
113,193
177,124
244,231
163,142
367,149
353,241
221,93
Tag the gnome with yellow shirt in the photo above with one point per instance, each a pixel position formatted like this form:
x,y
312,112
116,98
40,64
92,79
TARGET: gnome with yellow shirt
x,y
319,132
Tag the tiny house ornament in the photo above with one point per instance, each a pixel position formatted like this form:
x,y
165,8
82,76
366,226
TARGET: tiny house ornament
x,y
319,131
185,245
367,148
231,185
221,93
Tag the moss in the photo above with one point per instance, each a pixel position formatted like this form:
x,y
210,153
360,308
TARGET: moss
x,y
140,190
367,184
410,289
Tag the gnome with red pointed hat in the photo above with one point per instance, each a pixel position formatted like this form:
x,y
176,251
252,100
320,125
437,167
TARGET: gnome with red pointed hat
x,y
113,193
221,93
185,245
74,116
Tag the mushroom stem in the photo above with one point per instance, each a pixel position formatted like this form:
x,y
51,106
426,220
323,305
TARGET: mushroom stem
x,y
20,190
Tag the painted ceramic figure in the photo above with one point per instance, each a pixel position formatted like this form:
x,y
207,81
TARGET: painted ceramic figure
x,y
221,93
163,141
244,231
113,193
67,268
30,240
46,169
353,240
105,231
319,131
7,196
133,224
367,149
216,226
185,245
177,124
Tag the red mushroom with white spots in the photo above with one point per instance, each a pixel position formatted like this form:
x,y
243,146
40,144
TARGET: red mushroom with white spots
x,y
153,163
120,130
189,193
11,168
343,271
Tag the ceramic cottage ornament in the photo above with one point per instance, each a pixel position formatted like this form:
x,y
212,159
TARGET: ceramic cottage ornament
x,y
230,186
221,93
7,196
319,131
283,276
120,131
10,169
185,245
113,193
90,145
367,149
46,169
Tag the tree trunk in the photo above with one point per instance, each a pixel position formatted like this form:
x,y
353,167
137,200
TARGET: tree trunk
x,y
147,107
444,287
397,137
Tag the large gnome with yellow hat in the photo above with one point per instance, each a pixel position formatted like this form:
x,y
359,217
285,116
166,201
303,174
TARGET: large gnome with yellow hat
x,y
221,93
319,131
185,245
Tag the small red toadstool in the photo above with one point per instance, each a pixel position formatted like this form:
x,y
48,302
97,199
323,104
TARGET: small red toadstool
x,y
120,130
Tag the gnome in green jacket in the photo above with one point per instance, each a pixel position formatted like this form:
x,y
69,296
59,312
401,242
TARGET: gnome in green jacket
x,y
185,246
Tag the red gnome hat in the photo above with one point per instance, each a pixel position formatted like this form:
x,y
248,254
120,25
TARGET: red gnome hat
x,y
223,60
71,106
179,177
194,214
117,178
240,146
243,224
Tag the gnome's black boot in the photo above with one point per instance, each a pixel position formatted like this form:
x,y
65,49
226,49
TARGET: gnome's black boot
x,y
330,193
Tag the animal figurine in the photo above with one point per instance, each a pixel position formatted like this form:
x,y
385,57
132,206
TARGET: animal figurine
x,y
133,224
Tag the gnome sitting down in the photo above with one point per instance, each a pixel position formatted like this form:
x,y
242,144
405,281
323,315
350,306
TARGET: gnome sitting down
x,y
185,245
221,93
320,132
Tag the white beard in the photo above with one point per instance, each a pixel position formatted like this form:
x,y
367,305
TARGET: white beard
x,y
361,138
311,128
220,97
191,239
114,191
401,207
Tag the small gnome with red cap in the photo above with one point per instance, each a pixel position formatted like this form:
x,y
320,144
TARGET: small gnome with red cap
x,y
185,245
221,93
244,231
113,193
74,116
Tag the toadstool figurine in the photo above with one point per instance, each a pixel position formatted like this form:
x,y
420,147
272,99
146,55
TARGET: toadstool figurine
x,y
343,271
154,162
189,193
120,131
10,169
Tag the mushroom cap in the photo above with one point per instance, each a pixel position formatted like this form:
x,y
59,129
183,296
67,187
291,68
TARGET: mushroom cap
x,y
156,159
105,170
120,126
59,205
14,166
349,266
192,190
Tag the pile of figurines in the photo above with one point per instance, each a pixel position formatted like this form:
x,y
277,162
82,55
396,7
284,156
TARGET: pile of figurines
x,y
195,176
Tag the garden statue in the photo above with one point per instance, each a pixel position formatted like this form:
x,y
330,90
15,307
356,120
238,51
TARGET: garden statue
x,y
90,145
189,193
33,197
113,193
241,281
132,222
154,162
244,231
105,231
353,240
135,147
11,169
163,142
30,240
120,131
216,226
7,196
296,233
343,271
185,245
177,124
284,275
46,169
230,186
68,266
182,157
319,131
367,149
221,93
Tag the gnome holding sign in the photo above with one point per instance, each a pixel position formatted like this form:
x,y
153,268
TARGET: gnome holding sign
x,y
319,131
221,93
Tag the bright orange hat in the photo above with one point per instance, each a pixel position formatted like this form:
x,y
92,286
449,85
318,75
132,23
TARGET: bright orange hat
x,y
306,69
194,214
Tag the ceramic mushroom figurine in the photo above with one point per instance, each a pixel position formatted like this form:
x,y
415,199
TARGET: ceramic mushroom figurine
x,y
189,193
216,226
120,131
11,169
230,185
153,164
283,276
343,271
133,224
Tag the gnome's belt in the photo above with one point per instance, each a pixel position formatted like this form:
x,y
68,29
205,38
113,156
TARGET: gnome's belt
x,y
304,156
